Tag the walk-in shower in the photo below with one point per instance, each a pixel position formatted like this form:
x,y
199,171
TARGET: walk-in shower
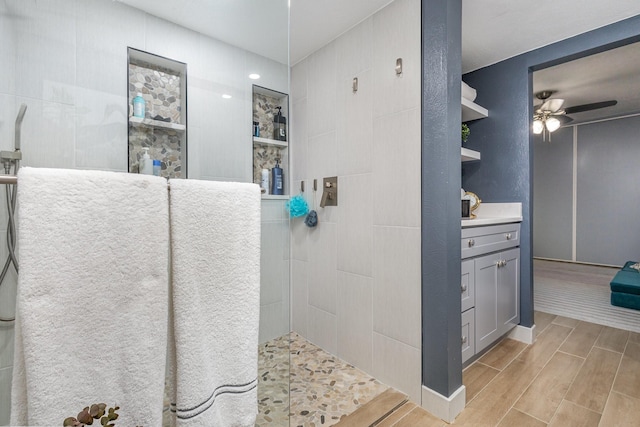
x,y
11,162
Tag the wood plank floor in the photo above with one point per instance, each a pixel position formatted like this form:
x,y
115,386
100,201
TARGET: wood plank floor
x,y
575,374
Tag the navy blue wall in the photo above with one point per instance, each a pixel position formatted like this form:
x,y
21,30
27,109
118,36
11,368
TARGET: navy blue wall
x,y
505,172
441,68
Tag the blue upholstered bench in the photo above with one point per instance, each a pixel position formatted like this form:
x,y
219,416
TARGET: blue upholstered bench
x,y
625,287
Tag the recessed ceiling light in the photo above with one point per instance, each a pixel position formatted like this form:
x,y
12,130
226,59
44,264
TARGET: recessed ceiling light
x,y
254,76
226,96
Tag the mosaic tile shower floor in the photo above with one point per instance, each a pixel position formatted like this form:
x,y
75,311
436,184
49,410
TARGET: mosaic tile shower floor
x,y
320,387
323,388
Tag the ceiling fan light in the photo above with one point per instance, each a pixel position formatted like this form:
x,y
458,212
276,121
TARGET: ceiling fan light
x,y
552,124
537,126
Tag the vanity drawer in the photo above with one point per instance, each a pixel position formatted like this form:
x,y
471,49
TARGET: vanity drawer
x,y
467,285
483,240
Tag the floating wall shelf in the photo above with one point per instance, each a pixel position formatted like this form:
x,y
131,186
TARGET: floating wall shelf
x,y
267,141
472,111
467,155
137,121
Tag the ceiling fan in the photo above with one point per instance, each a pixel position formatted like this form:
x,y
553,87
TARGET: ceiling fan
x,y
550,115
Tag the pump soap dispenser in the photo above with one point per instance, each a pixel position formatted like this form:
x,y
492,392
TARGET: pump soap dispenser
x,y
279,126
146,166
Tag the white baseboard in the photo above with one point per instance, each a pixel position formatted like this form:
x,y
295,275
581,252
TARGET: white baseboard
x,y
445,408
523,334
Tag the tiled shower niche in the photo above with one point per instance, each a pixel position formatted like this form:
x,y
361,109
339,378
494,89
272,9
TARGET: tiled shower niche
x,y
162,82
265,148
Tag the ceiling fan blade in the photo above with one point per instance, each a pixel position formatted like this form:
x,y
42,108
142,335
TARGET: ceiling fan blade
x,y
564,119
588,107
552,105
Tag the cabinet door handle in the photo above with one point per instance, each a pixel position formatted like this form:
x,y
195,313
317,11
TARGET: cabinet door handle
x,y
508,236
464,340
501,263
471,242
463,288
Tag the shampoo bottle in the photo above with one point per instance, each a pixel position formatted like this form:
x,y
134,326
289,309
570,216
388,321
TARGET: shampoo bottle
x,y
277,179
146,167
138,106
157,167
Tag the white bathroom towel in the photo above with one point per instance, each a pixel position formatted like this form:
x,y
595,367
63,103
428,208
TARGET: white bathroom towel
x,y
91,319
468,92
215,246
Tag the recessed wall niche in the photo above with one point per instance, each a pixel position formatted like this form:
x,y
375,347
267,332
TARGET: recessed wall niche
x,y
162,84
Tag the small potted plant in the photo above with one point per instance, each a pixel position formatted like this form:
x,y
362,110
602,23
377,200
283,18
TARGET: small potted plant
x,y
465,132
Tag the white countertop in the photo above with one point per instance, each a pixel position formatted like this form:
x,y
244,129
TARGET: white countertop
x,y
495,213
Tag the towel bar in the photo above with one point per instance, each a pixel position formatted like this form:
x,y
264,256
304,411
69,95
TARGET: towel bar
x,y
8,179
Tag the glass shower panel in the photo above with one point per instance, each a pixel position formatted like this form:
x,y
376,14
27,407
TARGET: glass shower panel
x,y
67,60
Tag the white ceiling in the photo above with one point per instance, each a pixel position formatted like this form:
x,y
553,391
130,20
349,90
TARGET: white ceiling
x,y
492,30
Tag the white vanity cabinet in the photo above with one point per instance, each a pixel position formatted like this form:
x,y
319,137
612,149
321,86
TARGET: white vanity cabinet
x,y
490,285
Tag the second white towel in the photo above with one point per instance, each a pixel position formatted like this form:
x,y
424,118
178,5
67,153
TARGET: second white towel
x,y
215,242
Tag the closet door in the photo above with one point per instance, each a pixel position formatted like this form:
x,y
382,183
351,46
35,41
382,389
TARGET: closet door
x,y
608,194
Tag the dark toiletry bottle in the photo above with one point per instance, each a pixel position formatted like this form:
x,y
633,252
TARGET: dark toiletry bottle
x,y
277,179
279,126
256,129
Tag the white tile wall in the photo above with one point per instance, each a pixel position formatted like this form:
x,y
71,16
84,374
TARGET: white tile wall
x,y
45,49
321,155
355,125
102,66
299,81
396,34
322,329
323,273
299,135
355,224
48,134
321,91
7,52
356,276
100,119
396,283
7,119
299,297
355,315
354,50
172,41
272,324
299,233
271,262
396,180
398,365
